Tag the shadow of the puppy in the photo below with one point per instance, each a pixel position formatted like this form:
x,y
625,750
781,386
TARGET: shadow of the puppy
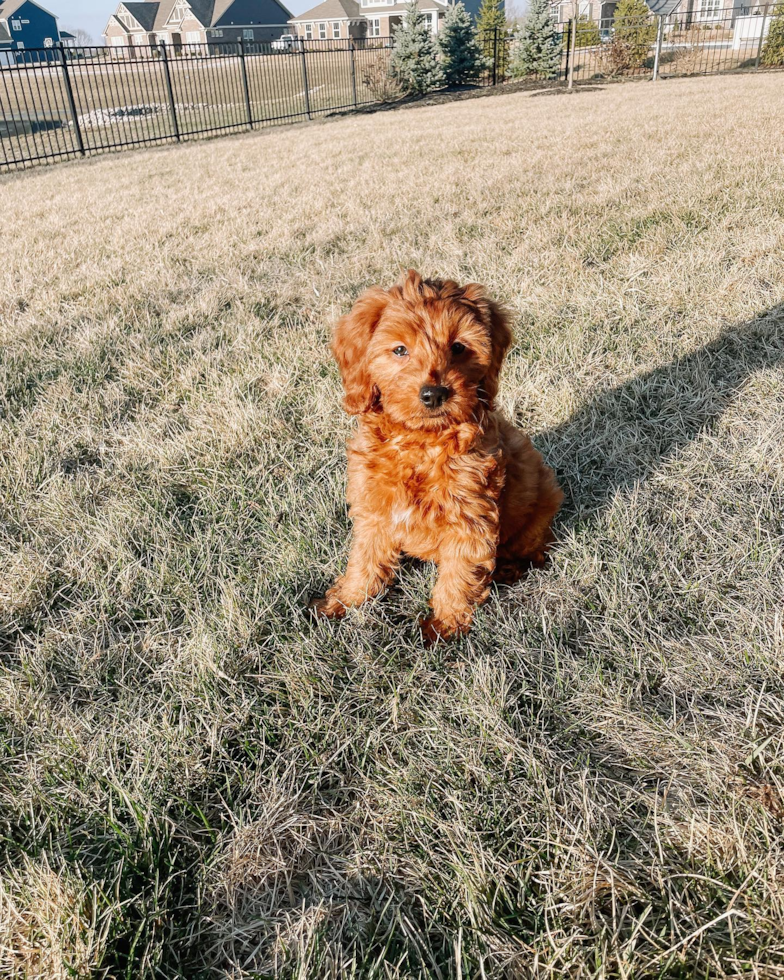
x,y
620,436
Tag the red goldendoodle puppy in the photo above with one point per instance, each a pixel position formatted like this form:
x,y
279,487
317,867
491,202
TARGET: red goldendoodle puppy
x,y
434,471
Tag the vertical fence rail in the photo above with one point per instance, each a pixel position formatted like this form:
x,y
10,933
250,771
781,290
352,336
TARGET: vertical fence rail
x,y
572,47
169,90
305,80
353,72
245,87
71,103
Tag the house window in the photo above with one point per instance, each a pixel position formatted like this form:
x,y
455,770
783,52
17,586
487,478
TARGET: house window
x,y
16,25
217,33
247,34
374,29
336,29
193,37
309,32
322,30
710,9
162,38
20,45
117,42
429,21
139,39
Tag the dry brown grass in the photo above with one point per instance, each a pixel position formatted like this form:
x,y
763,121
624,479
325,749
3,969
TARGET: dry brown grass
x,y
200,781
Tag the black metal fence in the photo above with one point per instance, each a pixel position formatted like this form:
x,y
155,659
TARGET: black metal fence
x,y
698,42
64,102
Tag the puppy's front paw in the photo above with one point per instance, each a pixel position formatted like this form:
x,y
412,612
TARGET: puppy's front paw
x,y
327,607
435,629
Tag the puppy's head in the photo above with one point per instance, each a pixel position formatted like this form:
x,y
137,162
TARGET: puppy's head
x,y
425,352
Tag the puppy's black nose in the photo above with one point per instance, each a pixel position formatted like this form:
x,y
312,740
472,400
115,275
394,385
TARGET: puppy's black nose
x,y
433,396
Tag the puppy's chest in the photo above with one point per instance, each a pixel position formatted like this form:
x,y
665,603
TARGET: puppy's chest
x,y
426,484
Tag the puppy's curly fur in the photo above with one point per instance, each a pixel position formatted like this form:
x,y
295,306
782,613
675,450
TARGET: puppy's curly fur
x,y
454,483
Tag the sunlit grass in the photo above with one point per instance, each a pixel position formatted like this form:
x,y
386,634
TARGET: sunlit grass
x,y
198,780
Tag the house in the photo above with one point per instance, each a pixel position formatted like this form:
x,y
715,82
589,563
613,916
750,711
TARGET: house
x,y
366,18
697,12
27,25
178,22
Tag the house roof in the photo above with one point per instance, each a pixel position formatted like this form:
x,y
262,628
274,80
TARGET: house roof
x,y
330,8
228,12
5,37
67,36
153,14
8,7
145,12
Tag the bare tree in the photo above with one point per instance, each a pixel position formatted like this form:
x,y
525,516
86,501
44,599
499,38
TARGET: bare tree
x,y
83,38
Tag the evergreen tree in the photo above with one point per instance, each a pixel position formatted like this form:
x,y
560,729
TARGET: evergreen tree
x,y
773,52
538,47
462,60
633,34
588,35
414,64
491,30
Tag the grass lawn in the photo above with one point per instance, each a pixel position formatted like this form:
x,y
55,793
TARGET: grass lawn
x,y
197,779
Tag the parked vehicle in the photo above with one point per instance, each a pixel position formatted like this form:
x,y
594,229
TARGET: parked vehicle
x,y
287,42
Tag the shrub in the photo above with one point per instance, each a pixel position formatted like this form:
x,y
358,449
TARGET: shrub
x,y
415,66
633,34
462,60
773,52
377,79
538,48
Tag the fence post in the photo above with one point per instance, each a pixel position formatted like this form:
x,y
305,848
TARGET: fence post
x,y
572,44
353,71
762,38
70,96
169,90
245,81
567,33
659,39
495,55
305,77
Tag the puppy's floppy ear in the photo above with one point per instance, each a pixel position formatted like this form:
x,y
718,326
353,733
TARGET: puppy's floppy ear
x,y
496,319
349,345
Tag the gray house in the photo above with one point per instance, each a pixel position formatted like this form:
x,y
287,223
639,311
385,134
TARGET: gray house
x,y
178,22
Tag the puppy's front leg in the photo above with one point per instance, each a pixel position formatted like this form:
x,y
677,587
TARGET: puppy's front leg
x,y
464,571
371,567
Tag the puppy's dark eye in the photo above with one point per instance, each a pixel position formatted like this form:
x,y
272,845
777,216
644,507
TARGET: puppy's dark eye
x,y
400,351
458,348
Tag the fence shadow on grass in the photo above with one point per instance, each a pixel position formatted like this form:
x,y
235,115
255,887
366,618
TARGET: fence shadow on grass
x,y
621,436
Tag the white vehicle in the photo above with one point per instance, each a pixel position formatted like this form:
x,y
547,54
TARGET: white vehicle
x,y
286,42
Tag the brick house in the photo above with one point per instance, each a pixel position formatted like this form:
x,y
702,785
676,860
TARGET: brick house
x,y
178,22
700,12
366,18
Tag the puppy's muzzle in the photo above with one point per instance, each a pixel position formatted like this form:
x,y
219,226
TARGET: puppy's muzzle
x,y
433,396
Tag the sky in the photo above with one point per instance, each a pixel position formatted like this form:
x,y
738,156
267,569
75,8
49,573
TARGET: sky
x,y
92,15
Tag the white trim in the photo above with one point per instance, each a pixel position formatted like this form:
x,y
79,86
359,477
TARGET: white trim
x,y
125,27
